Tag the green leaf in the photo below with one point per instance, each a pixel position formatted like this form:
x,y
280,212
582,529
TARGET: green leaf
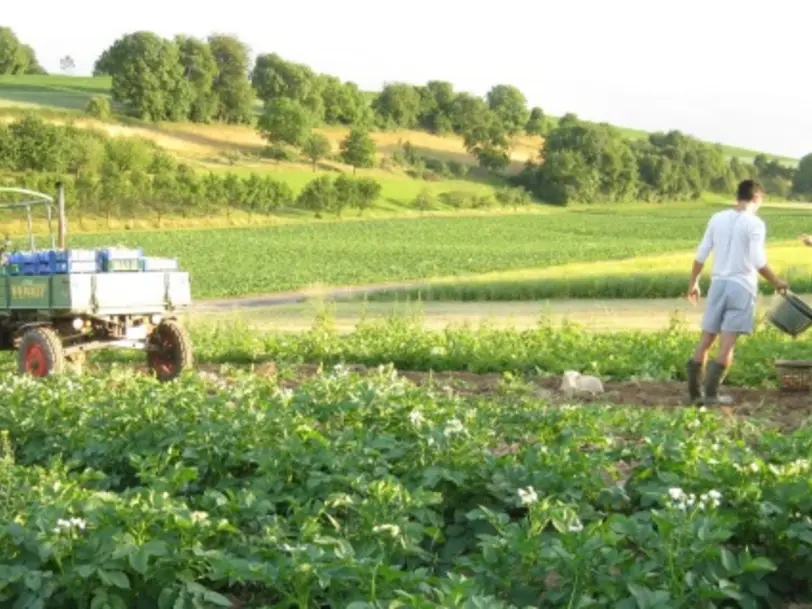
x,y
139,561
216,598
115,578
85,571
760,564
729,562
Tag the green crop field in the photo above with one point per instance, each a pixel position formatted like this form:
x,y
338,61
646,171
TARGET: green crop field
x,y
341,489
234,262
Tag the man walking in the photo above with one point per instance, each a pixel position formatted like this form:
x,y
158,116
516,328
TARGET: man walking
x,y
736,236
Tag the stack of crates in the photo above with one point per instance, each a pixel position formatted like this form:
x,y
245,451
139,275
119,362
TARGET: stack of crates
x,y
104,260
115,259
73,261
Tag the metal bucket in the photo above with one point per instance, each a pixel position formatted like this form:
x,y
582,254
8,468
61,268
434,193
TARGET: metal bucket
x,y
791,315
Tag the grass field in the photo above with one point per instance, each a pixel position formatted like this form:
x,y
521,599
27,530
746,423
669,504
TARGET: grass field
x,y
244,261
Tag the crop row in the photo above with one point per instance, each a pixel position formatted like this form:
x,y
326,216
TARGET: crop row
x,y
544,350
236,262
371,493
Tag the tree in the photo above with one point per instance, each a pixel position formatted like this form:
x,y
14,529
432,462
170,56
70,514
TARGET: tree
x,y
358,149
316,147
344,103
317,195
273,77
346,193
199,70
398,104
147,77
437,106
510,105
285,121
538,123
368,191
16,57
66,64
231,87
802,182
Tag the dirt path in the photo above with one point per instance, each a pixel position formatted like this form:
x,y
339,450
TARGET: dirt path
x,y
298,296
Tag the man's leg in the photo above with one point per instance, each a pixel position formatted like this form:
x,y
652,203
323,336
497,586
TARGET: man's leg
x,y
711,326
738,320
696,365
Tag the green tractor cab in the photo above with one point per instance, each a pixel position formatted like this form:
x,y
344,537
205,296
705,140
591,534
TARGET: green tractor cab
x,y
58,304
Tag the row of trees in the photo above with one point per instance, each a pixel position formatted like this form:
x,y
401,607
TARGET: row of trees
x,y
204,80
598,163
16,57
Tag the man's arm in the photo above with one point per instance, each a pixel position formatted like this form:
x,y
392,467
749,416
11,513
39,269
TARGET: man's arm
x,y
758,256
702,253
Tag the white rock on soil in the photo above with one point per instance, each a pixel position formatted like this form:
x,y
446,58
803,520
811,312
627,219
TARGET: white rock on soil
x,y
575,382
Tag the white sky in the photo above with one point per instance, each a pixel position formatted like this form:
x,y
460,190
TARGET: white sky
x,y
725,70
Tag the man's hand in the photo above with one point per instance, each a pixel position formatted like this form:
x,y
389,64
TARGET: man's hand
x,y
780,286
694,293
806,240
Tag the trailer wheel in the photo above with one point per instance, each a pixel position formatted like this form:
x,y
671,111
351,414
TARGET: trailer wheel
x,y
171,350
41,353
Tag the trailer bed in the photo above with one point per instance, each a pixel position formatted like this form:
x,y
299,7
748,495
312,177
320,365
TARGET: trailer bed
x,y
97,293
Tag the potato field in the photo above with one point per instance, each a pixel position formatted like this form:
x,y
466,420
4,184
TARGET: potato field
x,y
291,487
242,261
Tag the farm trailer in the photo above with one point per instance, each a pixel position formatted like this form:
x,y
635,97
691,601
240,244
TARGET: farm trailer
x,y
53,318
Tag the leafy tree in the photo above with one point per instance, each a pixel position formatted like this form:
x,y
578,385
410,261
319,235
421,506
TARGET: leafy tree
x,y
318,195
802,181
422,202
538,123
285,121
590,163
369,191
358,149
437,106
274,78
316,147
147,77
199,70
231,87
16,57
344,103
485,137
398,104
346,193
510,106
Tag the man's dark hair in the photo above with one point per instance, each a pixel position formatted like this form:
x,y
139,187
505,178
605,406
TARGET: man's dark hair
x,y
748,190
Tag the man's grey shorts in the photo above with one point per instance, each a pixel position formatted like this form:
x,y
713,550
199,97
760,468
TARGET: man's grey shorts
x,y
730,308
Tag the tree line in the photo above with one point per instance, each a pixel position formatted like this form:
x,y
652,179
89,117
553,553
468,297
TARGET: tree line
x,y
597,163
199,80
128,178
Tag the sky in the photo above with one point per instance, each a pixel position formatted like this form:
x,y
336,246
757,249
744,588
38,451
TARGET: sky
x,y
724,70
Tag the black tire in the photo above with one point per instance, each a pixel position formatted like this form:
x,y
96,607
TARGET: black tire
x,y
41,353
174,350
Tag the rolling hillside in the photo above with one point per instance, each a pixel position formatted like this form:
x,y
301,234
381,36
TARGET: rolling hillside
x,y
63,96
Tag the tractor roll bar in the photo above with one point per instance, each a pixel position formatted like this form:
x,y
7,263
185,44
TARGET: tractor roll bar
x,y
39,198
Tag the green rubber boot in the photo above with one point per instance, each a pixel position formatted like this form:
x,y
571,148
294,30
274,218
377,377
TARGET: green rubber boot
x,y
713,379
694,372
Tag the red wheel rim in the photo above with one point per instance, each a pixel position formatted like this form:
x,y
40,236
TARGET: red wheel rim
x,y
36,363
162,360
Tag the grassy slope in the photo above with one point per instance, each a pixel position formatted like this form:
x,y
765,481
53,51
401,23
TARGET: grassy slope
x,y
72,93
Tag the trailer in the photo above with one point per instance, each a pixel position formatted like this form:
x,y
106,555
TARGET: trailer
x,y
56,304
